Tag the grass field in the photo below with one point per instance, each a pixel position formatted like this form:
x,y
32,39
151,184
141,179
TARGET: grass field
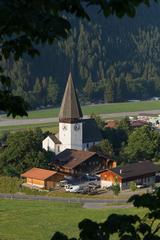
x,y
102,108
52,127
38,220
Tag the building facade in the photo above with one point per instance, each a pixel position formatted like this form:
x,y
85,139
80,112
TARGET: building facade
x,y
142,173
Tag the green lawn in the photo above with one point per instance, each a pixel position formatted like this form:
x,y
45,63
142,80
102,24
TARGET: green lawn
x,y
102,108
38,220
52,127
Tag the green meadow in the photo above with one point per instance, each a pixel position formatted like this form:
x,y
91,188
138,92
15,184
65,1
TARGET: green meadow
x,y
38,220
102,108
52,127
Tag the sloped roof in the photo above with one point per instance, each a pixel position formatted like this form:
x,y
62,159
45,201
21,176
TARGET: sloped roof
x,y
38,173
135,169
54,139
91,132
70,158
70,108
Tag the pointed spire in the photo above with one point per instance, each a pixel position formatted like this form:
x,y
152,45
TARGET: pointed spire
x,y
70,108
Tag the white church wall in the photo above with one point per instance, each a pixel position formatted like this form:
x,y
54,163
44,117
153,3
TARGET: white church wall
x,y
48,144
70,135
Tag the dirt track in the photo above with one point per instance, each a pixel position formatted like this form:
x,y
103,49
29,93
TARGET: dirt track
x,y
15,122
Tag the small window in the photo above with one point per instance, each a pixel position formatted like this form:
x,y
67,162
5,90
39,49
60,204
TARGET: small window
x,y
58,148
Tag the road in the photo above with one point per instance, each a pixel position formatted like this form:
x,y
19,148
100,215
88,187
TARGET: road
x,y
16,122
61,199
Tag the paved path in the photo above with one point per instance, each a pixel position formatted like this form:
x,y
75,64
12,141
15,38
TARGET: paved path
x,y
104,205
15,122
61,199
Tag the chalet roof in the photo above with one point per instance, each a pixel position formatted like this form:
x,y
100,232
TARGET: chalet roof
x,y
136,169
138,123
70,158
111,123
148,114
91,132
54,139
70,108
38,173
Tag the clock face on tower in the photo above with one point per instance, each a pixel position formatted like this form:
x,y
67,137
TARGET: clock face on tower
x,y
76,127
64,127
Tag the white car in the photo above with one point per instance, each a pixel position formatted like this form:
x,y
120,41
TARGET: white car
x,y
72,188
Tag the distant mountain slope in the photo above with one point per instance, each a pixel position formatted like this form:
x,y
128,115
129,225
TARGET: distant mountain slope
x,y
111,60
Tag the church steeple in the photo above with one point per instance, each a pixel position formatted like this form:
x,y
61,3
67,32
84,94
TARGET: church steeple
x,y
70,108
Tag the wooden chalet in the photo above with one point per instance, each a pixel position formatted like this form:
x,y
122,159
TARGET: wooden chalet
x,y
42,178
142,173
79,162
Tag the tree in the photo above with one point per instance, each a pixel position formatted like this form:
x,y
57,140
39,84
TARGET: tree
x,y
116,187
26,24
126,227
23,151
125,125
52,91
37,90
104,148
143,143
88,89
133,186
100,122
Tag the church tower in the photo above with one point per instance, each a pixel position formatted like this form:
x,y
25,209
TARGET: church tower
x,y
70,119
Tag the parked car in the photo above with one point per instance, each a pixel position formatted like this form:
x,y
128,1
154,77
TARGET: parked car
x,y
63,183
72,188
94,185
67,187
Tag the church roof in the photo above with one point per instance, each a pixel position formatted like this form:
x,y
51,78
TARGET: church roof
x,y
54,139
91,132
70,108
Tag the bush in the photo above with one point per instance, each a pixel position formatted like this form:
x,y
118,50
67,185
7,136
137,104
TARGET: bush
x,y
10,184
133,186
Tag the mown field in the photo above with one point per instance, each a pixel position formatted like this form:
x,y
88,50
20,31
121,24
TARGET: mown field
x,y
101,108
38,220
52,127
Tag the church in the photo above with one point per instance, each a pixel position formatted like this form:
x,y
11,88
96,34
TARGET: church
x,y
70,146
75,132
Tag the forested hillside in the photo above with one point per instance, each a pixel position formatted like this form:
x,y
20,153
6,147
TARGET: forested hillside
x,y
111,60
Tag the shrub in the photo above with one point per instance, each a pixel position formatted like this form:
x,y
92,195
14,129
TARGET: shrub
x,y
133,186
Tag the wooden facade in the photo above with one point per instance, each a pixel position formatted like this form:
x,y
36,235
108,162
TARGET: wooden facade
x,y
35,182
42,178
91,165
141,173
108,178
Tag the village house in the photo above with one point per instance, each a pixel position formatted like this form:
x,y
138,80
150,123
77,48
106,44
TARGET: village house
x,y
142,173
41,178
138,123
148,117
79,162
111,123
74,131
